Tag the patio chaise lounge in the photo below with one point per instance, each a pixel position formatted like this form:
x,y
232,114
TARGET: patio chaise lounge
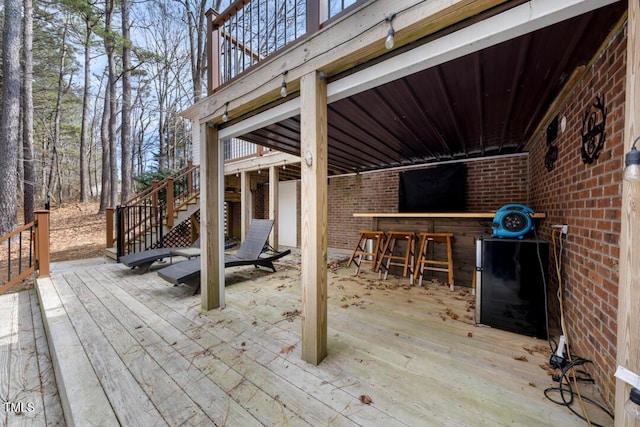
x,y
251,252
144,259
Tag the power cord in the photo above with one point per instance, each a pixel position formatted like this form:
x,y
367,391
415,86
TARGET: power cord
x,y
567,393
560,361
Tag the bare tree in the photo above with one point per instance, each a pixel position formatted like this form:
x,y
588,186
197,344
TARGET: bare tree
x,y
105,194
10,115
90,21
109,44
125,129
54,174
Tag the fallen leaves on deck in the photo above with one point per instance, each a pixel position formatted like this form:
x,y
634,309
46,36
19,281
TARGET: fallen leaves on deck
x,y
366,399
291,315
288,349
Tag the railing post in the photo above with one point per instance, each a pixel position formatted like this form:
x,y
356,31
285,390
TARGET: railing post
x,y
119,232
213,52
190,178
170,202
42,242
109,227
313,16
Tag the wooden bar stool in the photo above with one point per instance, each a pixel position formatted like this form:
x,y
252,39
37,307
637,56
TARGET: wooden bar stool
x,y
427,262
389,258
362,253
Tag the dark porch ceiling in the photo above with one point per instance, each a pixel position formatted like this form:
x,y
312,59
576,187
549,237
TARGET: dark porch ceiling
x,y
483,104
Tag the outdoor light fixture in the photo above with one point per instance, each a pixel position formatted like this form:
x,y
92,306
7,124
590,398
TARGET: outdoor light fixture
x,y
225,115
284,165
632,164
390,41
283,90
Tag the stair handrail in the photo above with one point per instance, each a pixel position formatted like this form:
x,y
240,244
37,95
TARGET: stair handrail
x,y
175,200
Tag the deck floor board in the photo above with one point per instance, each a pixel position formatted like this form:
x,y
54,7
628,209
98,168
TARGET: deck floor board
x,y
28,395
415,352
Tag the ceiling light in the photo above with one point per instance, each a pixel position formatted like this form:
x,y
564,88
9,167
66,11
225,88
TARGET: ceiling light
x,y
390,40
225,115
283,89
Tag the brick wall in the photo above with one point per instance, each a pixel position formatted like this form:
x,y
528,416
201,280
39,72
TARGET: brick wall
x,y
491,183
587,197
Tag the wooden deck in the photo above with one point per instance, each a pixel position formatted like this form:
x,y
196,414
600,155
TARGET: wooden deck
x,y
131,349
28,393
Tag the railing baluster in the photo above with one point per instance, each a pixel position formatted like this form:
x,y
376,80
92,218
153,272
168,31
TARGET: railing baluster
x,y
20,253
9,260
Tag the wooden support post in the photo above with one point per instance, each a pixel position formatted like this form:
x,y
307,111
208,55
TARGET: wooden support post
x,y
245,204
313,149
42,242
170,202
628,346
273,205
109,227
211,275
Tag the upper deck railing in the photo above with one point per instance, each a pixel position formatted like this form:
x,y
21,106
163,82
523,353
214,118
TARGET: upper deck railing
x,y
249,31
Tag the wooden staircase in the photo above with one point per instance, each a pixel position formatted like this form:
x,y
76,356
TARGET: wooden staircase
x,y
156,214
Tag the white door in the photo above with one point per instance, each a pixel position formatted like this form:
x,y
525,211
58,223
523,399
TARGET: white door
x,y
287,214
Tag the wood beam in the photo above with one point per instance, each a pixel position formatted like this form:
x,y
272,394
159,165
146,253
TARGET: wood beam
x,y
211,273
628,348
314,146
273,204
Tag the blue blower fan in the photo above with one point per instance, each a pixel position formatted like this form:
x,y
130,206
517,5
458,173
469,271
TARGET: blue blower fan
x,y
512,221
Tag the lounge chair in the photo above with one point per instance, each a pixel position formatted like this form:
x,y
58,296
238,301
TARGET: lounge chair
x,y
253,251
144,259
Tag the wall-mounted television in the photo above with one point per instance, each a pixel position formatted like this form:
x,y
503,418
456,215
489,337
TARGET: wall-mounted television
x,y
436,189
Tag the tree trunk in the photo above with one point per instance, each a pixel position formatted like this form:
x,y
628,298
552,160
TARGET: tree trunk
x,y
105,192
54,181
10,115
111,88
85,181
125,130
29,172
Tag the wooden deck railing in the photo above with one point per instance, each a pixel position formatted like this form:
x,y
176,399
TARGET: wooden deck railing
x,y
249,31
27,250
163,198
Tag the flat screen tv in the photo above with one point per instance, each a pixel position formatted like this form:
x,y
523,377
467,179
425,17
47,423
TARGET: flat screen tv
x,y
436,189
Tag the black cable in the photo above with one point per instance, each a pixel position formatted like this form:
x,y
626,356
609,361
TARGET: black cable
x,y
569,394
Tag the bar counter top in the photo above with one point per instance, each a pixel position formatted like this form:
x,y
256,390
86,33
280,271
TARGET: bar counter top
x,y
487,215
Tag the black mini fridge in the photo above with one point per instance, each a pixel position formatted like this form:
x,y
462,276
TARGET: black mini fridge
x,y
510,285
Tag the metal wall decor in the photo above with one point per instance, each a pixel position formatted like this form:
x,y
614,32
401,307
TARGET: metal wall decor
x,y
552,152
593,130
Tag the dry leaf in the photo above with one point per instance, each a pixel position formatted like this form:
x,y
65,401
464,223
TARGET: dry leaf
x,y
366,399
521,358
288,349
470,334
